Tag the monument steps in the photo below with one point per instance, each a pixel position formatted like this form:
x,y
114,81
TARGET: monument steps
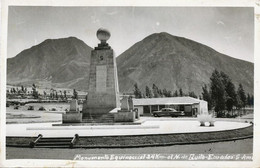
x,y
53,144
54,140
95,118
60,142
59,146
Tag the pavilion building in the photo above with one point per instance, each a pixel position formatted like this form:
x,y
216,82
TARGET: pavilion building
x,y
191,106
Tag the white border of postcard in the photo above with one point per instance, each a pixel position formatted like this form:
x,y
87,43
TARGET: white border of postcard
x,y
183,3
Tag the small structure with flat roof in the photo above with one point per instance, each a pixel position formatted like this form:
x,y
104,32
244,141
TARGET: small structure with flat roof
x,y
190,105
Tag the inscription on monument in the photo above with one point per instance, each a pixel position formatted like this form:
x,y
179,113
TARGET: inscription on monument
x,y
101,78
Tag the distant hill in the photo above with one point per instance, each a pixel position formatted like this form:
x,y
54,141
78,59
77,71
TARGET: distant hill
x,y
55,62
168,61
175,62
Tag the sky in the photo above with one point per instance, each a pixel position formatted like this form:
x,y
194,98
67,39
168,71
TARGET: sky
x,y
228,30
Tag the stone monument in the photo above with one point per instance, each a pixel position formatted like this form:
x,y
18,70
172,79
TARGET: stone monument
x,y
126,113
73,115
103,92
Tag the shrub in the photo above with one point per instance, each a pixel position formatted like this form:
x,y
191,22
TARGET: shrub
x,y
203,118
53,109
235,115
228,115
16,107
7,104
41,108
30,108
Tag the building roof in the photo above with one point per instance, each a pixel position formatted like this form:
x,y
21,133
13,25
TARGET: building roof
x,y
166,101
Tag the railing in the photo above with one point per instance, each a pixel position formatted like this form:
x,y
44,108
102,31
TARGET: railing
x,y
76,136
32,144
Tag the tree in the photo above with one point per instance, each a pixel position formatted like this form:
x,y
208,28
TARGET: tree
x,y
192,94
165,93
137,91
65,94
206,96
155,91
241,95
231,96
61,96
218,93
180,92
52,93
231,99
175,94
22,88
34,92
250,100
148,92
169,94
44,93
75,94
56,95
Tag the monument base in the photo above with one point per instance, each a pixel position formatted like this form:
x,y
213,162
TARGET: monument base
x,y
96,112
124,117
72,117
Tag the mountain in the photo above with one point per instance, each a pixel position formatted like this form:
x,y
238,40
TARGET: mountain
x,y
165,60
175,62
56,62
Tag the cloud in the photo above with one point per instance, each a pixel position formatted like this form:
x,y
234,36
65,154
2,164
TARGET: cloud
x,y
220,23
94,19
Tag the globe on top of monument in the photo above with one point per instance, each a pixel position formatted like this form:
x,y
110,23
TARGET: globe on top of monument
x,y
103,35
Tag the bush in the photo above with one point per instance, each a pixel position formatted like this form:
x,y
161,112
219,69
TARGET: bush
x,y
30,108
235,115
16,107
228,115
220,114
7,104
53,109
203,118
41,108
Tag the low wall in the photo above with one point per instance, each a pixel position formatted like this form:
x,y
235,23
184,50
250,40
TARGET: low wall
x,y
124,117
72,118
147,140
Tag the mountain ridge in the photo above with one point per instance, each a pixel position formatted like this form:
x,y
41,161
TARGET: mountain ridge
x,y
53,60
168,61
170,51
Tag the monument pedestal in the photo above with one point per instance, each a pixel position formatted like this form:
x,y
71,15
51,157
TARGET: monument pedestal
x,y
124,117
73,115
126,114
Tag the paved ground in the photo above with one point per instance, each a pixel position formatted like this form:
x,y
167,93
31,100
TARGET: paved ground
x,y
150,126
43,124
231,147
43,116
